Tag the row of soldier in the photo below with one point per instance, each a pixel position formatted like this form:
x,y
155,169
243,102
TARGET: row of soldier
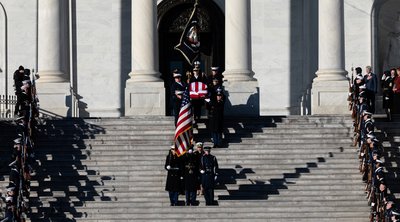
x,y
23,159
203,89
370,151
192,174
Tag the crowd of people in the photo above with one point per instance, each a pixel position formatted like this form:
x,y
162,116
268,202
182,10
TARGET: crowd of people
x,y
370,149
195,172
22,166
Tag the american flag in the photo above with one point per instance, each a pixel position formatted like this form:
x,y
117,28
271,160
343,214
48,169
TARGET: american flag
x,y
183,132
198,90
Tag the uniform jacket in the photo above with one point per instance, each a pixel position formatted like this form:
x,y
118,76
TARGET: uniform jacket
x,y
209,165
191,172
174,182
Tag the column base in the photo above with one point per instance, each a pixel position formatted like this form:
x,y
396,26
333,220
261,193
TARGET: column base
x,y
53,98
243,98
329,97
144,98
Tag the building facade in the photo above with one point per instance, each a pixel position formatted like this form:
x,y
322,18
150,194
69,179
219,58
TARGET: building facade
x,y
113,58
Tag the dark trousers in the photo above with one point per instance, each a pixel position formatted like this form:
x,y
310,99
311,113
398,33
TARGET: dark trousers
x,y
190,197
173,197
197,104
18,105
217,137
209,196
371,100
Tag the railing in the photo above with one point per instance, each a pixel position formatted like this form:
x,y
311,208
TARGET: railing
x,y
7,106
74,103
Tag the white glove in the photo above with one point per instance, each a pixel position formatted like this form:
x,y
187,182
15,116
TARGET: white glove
x,y
201,171
207,100
181,178
215,178
168,167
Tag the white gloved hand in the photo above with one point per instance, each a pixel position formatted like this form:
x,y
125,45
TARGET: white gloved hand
x,y
215,178
201,171
181,178
168,167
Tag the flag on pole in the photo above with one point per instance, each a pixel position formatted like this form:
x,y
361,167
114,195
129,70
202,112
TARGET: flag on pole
x,y
184,131
189,44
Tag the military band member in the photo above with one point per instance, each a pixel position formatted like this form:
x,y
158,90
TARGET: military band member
x,y
209,172
174,178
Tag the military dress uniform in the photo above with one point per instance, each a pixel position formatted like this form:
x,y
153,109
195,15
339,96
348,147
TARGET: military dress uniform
x,y
190,175
216,117
209,171
177,90
174,178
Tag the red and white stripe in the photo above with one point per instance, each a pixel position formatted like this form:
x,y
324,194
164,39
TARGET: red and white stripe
x,y
198,90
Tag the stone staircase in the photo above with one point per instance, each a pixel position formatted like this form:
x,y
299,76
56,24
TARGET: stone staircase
x,y
272,169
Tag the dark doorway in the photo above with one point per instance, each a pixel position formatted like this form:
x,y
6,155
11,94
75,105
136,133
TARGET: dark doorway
x,y
172,18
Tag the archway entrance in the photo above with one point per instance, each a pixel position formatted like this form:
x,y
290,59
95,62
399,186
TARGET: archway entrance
x,y
172,18
388,34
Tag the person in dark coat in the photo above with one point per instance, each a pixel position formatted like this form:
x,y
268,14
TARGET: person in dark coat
x,y
190,175
177,89
215,74
387,92
198,154
209,172
174,178
371,82
18,77
216,117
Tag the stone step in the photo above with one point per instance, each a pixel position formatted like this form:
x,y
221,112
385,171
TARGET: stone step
x,y
175,215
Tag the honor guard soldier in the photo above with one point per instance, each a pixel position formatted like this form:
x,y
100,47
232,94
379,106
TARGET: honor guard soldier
x,y
174,178
209,173
216,117
190,175
177,89
199,152
215,74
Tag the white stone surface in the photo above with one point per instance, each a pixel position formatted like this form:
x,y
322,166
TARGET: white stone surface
x,y
103,55
283,48
237,41
242,98
145,99
144,42
53,97
50,41
329,97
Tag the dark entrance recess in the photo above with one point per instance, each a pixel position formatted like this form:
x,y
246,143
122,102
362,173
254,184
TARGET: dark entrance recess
x,y
172,18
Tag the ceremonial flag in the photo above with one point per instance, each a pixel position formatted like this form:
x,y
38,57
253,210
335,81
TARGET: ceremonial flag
x,y
189,44
198,90
183,132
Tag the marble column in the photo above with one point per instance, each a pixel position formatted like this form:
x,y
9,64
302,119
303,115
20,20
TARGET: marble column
x,y
240,86
330,87
53,84
144,92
